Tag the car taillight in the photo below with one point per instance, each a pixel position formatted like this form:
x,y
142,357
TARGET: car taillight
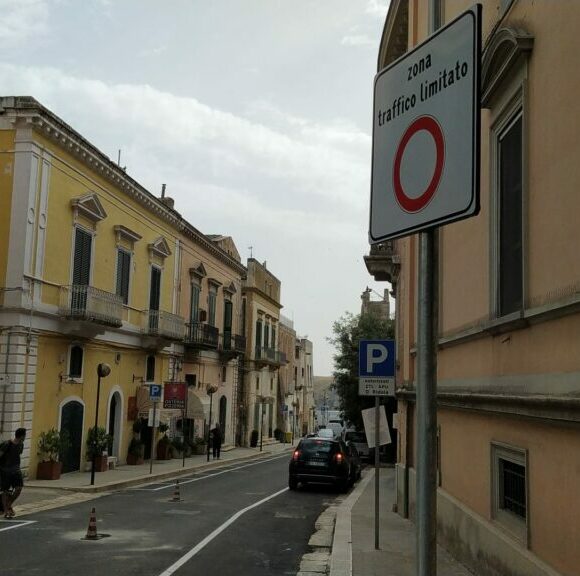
x,y
338,457
296,455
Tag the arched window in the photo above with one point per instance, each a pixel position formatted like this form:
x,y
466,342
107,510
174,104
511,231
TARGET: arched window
x,y
75,366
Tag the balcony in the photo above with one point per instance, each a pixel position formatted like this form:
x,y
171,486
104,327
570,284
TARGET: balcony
x,y
232,345
269,357
201,336
79,303
383,262
163,325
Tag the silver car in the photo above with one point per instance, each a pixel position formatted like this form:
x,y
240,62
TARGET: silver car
x,y
359,439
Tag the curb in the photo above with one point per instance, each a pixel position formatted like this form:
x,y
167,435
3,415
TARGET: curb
x,y
152,478
341,555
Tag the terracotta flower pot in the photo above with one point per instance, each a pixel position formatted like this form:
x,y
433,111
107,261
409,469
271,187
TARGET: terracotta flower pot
x,y
48,470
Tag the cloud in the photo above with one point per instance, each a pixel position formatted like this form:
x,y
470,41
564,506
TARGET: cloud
x,y
293,167
22,19
357,40
377,8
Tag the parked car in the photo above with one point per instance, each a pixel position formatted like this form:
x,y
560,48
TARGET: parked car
x,y
325,433
336,426
321,460
359,439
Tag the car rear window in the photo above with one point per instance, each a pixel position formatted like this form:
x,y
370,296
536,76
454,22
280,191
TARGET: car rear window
x,y
356,437
316,446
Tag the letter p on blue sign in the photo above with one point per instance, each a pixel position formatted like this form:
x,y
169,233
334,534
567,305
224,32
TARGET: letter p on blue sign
x,y
376,367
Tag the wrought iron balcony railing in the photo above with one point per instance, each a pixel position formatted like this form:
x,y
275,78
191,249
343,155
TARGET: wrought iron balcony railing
x,y
232,343
270,356
201,335
79,302
164,324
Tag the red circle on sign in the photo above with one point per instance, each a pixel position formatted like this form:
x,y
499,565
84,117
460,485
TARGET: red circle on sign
x,y
429,124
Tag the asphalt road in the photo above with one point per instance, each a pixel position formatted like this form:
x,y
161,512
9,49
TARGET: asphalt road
x,y
240,520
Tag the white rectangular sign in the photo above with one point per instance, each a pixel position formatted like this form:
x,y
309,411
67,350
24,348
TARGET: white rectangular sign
x,y
376,386
426,133
368,417
157,418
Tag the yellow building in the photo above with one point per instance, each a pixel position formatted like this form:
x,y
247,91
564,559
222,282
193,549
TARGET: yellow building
x,y
508,370
92,270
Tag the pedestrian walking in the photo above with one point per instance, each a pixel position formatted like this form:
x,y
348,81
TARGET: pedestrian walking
x,y
216,441
11,476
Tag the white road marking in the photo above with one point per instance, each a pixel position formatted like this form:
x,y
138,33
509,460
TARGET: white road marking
x,y
197,479
198,547
15,524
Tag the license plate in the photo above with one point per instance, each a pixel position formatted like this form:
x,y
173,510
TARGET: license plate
x,y
316,463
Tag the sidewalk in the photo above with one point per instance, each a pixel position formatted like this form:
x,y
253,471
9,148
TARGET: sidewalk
x,y
40,494
353,550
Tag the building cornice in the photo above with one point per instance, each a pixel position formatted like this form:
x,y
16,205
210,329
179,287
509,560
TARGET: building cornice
x,y
25,110
257,291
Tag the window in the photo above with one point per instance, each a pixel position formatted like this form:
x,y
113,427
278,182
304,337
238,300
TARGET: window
x,y
82,257
510,489
123,274
510,248
211,305
155,288
228,313
273,340
257,382
224,373
271,384
150,371
75,365
267,336
297,353
258,337
190,380
194,310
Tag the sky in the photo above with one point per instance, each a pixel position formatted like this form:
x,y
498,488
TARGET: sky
x,y
255,113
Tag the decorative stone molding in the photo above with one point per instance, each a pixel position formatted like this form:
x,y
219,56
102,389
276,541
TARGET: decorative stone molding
x,y
88,206
231,289
124,233
505,48
198,272
160,248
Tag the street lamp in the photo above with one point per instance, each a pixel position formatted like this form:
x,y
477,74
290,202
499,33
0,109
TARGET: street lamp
x,y
103,370
211,389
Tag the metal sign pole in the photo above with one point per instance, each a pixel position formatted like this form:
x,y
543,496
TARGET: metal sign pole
x,y
377,446
153,438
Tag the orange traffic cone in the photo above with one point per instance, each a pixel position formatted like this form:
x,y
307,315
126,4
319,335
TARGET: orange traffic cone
x,y
92,529
176,495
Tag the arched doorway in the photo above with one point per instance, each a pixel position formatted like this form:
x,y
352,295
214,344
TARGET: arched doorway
x,y
223,412
115,426
71,424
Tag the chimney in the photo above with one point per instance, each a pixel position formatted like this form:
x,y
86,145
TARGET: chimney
x,y
169,202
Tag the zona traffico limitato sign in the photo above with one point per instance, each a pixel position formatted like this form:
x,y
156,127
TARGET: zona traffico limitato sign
x,y
426,133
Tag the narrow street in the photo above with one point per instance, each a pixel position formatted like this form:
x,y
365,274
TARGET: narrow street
x,y
239,519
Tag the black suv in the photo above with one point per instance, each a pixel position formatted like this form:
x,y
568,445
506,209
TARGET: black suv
x,y
322,460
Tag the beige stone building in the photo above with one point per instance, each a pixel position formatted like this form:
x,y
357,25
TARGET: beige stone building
x,y
261,315
287,375
509,322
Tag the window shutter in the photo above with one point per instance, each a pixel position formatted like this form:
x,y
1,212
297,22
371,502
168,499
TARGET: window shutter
x,y
82,258
228,316
123,274
154,296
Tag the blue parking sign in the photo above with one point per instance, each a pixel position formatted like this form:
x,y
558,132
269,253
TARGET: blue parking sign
x,y
155,392
376,367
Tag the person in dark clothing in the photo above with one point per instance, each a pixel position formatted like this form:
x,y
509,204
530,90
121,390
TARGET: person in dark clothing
x,y
216,441
11,476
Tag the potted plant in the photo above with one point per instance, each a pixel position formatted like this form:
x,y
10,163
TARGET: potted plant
x,y
177,447
50,444
199,445
136,452
97,446
164,444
